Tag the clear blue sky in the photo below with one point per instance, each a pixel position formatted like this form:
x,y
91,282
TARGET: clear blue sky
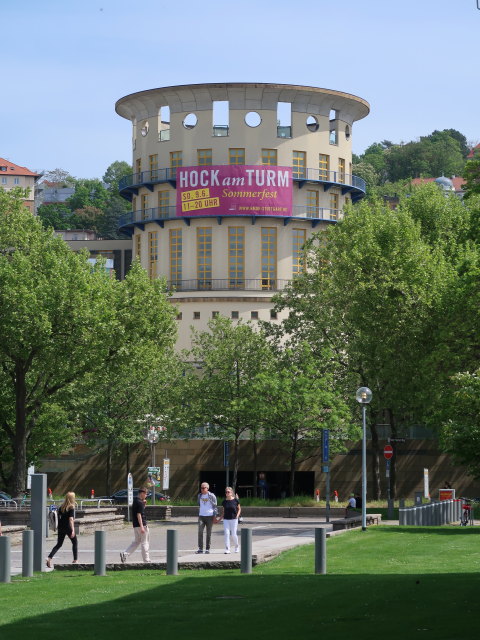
x,y
66,62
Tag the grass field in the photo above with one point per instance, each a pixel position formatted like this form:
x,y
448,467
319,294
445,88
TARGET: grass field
x,y
398,582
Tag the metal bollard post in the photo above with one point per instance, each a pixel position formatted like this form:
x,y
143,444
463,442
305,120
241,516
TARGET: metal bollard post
x,y
27,553
5,560
320,550
391,505
401,516
421,515
100,546
172,552
246,551
38,513
430,508
401,503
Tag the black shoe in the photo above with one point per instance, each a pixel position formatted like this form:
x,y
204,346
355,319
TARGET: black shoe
x,y
200,551
207,551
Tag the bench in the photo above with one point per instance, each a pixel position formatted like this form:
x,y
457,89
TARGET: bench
x,y
354,521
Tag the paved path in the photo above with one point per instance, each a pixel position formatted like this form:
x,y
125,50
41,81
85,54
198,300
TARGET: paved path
x,y
270,536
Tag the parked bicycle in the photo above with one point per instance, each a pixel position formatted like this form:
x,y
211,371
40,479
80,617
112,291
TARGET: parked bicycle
x,y
467,512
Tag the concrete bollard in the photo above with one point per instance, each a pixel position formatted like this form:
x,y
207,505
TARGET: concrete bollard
x,y
100,554
172,552
320,550
246,551
390,507
27,553
5,559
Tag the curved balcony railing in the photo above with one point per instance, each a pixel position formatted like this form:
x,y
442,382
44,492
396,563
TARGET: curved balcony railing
x,y
347,181
169,213
228,284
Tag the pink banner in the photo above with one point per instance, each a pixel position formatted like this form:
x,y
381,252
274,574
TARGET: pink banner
x,y
234,190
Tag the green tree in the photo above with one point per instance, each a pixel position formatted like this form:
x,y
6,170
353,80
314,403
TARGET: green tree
x,y
55,322
302,398
227,395
471,175
89,193
114,173
56,215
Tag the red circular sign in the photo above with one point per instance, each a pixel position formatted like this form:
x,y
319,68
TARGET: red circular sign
x,y
388,451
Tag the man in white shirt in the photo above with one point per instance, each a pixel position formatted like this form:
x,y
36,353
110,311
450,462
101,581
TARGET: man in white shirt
x,y
208,510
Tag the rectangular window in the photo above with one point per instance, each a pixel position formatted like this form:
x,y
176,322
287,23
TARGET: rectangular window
x,y
176,258
341,170
153,166
236,257
324,166
269,157
4,180
269,257
236,156
138,170
138,246
273,314
163,203
175,162
204,257
16,181
204,157
333,205
254,315
144,206
179,315
312,204
152,254
299,164
234,315
196,315
215,314
298,258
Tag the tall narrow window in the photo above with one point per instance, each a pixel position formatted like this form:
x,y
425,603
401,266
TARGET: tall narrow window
x,y
153,166
144,206
324,166
284,120
269,257
138,170
176,258
333,205
164,125
341,170
312,204
204,257
236,156
299,164
175,162
163,203
298,258
138,246
204,157
269,157
236,257
220,115
152,254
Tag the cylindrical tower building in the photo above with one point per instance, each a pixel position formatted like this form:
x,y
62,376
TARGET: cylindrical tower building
x,y
229,181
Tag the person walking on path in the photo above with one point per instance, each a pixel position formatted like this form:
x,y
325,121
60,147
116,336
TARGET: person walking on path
x,y
207,502
66,527
231,513
140,528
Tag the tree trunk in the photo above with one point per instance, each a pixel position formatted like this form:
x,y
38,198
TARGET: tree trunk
x,y
20,442
293,461
127,459
108,478
393,466
255,466
235,463
376,490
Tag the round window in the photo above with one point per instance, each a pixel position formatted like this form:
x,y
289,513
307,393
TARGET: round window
x,y
312,123
144,129
253,119
190,121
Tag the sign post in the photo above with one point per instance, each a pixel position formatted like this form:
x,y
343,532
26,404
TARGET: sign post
x,y
130,494
226,461
166,474
388,455
326,467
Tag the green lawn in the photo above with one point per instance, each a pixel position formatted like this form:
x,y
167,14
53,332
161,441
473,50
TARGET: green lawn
x,y
401,582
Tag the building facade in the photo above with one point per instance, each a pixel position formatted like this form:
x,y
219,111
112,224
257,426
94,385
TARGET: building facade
x,y
229,182
12,175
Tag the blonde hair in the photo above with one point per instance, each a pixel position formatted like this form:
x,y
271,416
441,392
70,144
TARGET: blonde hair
x,y
229,489
69,502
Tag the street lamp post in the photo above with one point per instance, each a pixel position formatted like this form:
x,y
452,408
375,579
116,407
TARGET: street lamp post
x,y
364,396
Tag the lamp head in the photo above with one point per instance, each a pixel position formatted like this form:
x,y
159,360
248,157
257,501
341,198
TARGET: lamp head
x,y
363,395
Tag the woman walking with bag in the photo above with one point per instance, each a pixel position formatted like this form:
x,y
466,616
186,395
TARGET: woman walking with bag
x,y
230,515
66,527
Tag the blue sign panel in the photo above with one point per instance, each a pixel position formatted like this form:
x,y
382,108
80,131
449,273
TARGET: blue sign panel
x,y
325,445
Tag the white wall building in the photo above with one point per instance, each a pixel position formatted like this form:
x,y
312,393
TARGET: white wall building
x,y
230,180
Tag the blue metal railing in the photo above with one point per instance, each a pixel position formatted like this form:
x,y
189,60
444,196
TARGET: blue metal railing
x,y
170,213
345,180
228,284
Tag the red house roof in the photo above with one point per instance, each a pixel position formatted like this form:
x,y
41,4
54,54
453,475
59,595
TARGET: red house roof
x,y
7,167
456,180
472,152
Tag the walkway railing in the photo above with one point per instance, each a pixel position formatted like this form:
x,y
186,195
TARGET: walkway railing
x,y
432,514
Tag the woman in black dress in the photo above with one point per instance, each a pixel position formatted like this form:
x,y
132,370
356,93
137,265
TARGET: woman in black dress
x,y
66,527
